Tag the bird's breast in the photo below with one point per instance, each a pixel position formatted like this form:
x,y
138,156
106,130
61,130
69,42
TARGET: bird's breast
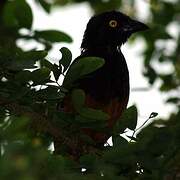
x,y
110,81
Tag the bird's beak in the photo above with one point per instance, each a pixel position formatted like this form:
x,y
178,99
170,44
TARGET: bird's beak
x,y
135,26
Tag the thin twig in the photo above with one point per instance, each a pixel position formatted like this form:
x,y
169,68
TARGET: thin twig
x,y
152,115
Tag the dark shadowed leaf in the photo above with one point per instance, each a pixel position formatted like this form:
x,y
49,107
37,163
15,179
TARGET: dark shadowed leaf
x,y
153,115
62,118
57,70
23,14
33,55
53,36
84,122
130,116
66,58
78,99
46,63
23,76
123,155
150,73
127,120
132,138
8,15
2,114
93,114
49,93
40,76
16,128
26,60
88,161
119,141
18,13
81,67
45,5
174,100
90,64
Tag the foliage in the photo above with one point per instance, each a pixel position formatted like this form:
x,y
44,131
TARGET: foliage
x,y
30,91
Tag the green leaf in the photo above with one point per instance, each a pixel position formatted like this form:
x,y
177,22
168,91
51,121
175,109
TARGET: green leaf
x,y
78,99
16,128
46,63
132,138
174,100
130,116
40,76
90,64
93,114
8,14
23,14
63,118
150,73
18,14
66,58
23,76
122,155
45,5
127,120
57,70
88,161
81,67
91,123
153,115
33,55
53,36
2,114
119,141
26,60
49,93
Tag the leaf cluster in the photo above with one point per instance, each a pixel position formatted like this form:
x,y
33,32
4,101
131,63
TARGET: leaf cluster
x,y
30,93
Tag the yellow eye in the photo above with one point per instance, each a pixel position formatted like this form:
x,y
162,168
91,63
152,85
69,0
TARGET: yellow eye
x,y
113,23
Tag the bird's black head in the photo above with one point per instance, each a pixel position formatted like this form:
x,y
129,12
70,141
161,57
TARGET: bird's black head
x,y
110,29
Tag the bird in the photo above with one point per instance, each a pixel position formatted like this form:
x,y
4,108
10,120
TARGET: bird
x,y
107,88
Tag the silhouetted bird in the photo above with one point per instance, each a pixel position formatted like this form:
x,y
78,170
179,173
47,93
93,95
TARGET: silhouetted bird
x,y
108,87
